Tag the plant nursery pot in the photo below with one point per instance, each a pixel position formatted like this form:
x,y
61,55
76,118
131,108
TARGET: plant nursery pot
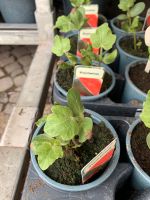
x,y
119,32
80,188
18,11
131,91
125,57
90,98
140,179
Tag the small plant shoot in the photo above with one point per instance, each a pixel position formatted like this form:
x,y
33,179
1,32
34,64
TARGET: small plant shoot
x,y
74,21
64,129
130,20
145,116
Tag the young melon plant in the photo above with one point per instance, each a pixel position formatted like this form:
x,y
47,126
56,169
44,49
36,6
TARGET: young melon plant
x,y
130,20
65,128
145,116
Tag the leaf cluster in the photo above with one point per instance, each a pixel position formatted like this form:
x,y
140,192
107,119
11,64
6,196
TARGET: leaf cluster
x,y
130,19
145,116
66,127
74,21
78,3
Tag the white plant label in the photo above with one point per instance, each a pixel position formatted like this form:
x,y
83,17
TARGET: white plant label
x,y
147,37
91,9
147,18
147,69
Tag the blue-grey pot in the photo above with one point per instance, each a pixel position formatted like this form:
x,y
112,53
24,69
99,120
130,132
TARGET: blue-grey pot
x,y
18,11
90,98
140,180
131,91
108,171
119,32
125,58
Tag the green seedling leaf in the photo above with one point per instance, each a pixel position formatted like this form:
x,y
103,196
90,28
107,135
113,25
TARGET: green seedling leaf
x,y
86,129
64,24
110,57
122,17
72,58
137,9
61,45
148,140
125,5
64,65
103,38
61,123
78,3
145,115
135,23
74,103
47,149
41,121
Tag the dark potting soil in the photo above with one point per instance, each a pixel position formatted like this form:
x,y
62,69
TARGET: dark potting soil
x,y
65,79
128,46
67,170
118,23
73,42
139,146
139,77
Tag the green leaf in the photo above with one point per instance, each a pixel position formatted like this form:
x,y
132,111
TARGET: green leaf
x,y
145,115
110,57
149,50
122,17
72,58
61,123
61,45
64,65
125,5
47,149
74,102
86,129
148,140
137,9
64,24
41,121
125,26
103,38
135,23
78,3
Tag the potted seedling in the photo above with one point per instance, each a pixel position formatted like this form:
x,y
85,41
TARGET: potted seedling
x,y
18,11
66,140
63,79
138,147
129,21
137,75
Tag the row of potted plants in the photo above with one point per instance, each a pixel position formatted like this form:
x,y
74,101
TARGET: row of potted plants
x,y
74,149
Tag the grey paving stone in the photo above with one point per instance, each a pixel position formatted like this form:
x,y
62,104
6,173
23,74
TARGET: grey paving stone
x,y
11,164
1,107
19,51
16,73
4,48
1,73
3,97
9,107
19,80
5,84
3,121
13,97
4,54
7,61
35,188
25,60
12,67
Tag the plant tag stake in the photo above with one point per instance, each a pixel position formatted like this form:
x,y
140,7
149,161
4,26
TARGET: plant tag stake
x,y
147,20
88,80
98,162
147,42
84,38
91,13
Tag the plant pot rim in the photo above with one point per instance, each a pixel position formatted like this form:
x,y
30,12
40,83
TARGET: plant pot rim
x,y
90,98
130,153
127,77
108,171
112,21
123,51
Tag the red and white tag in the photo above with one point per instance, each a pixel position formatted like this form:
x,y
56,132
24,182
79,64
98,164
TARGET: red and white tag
x,y
91,13
84,36
98,162
147,20
88,80
147,42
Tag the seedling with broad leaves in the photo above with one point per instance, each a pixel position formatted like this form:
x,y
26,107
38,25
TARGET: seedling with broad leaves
x,y
130,20
64,129
145,116
102,39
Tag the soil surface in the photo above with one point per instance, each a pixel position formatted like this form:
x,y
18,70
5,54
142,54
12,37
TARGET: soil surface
x,y
128,46
65,79
139,146
67,170
140,78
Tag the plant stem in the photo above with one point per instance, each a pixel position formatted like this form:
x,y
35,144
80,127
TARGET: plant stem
x,y
134,37
101,54
129,18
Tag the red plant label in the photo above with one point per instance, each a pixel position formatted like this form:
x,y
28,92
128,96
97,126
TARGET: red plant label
x,y
98,162
88,80
91,13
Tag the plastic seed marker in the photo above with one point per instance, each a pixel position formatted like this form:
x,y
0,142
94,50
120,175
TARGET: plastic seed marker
x,y
147,42
147,20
